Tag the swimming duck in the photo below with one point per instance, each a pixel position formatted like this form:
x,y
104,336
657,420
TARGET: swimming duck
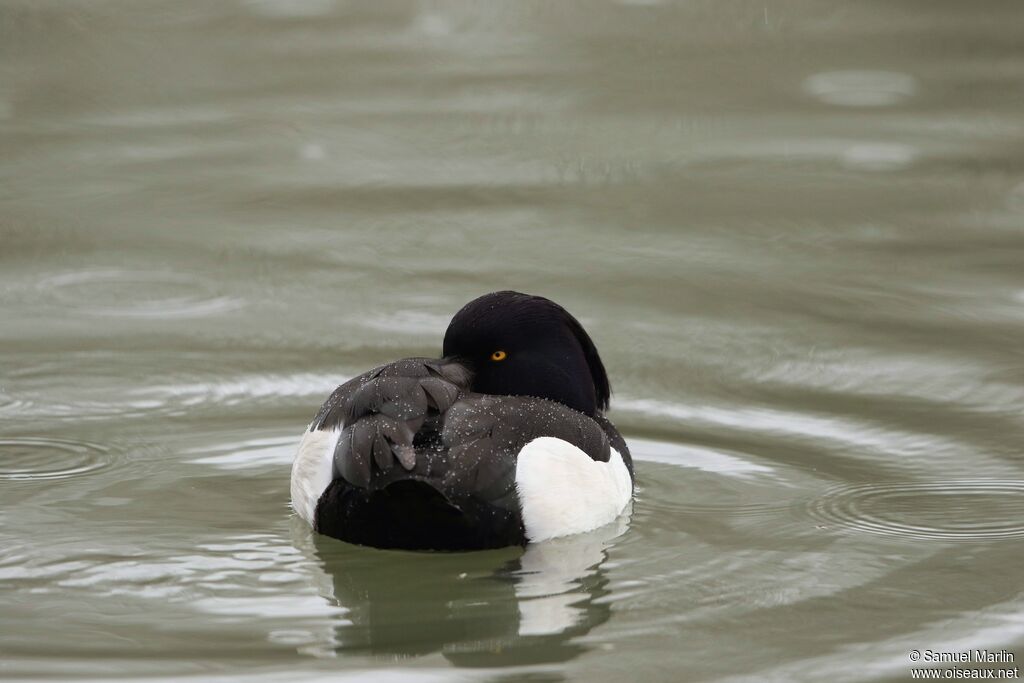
x,y
501,441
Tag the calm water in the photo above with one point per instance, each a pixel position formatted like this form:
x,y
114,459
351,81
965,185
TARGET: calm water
x,y
795,229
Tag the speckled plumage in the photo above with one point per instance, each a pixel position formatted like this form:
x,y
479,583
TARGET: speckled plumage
x,y
422,461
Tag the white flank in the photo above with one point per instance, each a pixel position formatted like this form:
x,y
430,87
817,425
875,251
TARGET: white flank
x,y
312,471
563,491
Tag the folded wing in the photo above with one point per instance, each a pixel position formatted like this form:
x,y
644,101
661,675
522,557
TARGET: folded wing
x,y
382,413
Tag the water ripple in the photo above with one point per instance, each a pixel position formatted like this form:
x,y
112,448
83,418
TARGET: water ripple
x,y
950,510
10,404
861,88
196,383
839,431
241,388
44,458
137,294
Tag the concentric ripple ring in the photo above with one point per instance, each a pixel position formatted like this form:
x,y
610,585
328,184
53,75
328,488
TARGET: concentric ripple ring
x,y
136,294
942,510
44,458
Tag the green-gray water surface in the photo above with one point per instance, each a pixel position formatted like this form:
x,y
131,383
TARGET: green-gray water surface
x,y
795,229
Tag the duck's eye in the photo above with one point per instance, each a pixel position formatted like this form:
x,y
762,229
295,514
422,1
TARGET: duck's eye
x,y
499,355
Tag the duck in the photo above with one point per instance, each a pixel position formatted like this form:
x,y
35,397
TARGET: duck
x,y
500,441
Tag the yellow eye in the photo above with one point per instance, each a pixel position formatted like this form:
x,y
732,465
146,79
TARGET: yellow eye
x,y
499,355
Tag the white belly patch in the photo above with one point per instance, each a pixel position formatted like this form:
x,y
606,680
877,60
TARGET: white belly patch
x,y
563,491
312,471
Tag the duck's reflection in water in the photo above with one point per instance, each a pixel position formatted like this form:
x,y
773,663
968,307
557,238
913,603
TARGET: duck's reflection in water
x,y
479,609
